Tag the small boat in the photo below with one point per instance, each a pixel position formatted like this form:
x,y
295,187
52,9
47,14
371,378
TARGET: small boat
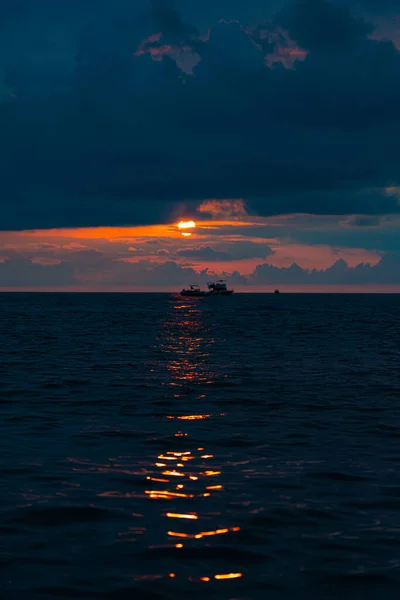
x,y
194,291
276,292
219,288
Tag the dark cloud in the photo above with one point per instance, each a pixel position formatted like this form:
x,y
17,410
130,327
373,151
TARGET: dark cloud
x,y
18,272
362,221
386,271
21,273
202,253
168,20
380,6
147,274
238,250
323,26
93,133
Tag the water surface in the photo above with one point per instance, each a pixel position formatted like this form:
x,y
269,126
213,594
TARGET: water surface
x,y
230,448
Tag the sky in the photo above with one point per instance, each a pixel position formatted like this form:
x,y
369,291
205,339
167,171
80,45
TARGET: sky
x,y
273,125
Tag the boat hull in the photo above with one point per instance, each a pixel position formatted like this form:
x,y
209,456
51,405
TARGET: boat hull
x,y
189,294
222,293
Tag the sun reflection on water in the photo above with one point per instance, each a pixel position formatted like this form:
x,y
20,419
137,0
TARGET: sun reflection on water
x,y
178,489
195,487
186,342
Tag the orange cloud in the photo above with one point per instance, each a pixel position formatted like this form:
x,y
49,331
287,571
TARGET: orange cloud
x,y
184,56
74,246
45,261
111,234
286,51
224,208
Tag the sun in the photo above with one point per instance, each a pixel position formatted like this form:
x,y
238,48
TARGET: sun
x,y
186,225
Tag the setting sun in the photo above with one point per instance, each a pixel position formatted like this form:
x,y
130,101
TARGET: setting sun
x,y
186,225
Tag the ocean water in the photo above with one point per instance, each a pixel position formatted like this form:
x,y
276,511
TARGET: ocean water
x,y
222,448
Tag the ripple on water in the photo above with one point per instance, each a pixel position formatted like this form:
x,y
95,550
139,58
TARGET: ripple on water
x,y
165,449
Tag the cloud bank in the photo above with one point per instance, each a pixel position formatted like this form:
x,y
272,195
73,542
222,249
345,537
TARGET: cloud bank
x,y
170,274
135,112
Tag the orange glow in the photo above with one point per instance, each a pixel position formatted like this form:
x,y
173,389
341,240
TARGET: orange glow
x,y
160,464
214,487
129,245
201,534
167,457
182,516
172,575
211,473
205,579
165,494
228,576
215,532
178,545
157,479
177,534
123,233
107,233
179,453
190,417
193,477
186,225
173,473
207,456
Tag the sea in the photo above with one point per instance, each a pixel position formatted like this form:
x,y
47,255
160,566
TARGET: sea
x,y
231,448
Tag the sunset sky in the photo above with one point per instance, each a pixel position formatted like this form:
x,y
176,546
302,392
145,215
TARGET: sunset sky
x,y
273,125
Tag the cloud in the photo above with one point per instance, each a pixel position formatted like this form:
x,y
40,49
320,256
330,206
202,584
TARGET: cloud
x,y
227,251
203,253
379,5
322,26
22,273
225,209
363,221
152,275
97,133
183,56
386,271
18,272
393,192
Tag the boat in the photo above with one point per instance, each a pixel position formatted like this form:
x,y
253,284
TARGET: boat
x,y
276,292
219,288
194,291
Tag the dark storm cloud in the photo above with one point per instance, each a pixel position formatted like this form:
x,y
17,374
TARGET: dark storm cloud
x,y
381,6
322,26
95,132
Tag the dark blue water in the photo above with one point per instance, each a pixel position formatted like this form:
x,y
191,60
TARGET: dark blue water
x,y
228,448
